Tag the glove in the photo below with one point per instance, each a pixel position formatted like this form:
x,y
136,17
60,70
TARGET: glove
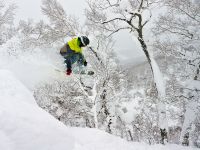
x,y
85,63
69,71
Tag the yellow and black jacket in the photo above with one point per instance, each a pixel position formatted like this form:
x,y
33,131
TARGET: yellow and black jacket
x,y
73,45
72,52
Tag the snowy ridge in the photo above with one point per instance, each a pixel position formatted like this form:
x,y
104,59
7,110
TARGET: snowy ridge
x,y
11,88
24,124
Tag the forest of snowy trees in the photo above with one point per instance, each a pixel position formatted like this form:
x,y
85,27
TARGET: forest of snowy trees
x,y
155,101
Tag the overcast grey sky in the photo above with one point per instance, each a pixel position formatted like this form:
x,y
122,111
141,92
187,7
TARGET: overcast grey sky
x,y
126,47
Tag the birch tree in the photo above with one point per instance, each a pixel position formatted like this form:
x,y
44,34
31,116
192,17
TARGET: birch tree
x,y
102,61
178,32
112,16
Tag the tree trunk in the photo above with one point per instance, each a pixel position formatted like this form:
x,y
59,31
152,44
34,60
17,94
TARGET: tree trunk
x,y
161,106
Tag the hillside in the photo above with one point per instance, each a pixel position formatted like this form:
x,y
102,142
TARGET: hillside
x,y
25,126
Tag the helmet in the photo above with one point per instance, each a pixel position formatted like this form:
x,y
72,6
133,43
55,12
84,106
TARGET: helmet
x,y
84,40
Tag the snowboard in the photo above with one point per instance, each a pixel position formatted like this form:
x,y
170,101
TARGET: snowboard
x,y
82,72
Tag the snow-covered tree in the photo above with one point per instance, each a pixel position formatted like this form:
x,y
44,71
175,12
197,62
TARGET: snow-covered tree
x,y
6,21
66,102
102,60
178,32
111,16
62,24
47,33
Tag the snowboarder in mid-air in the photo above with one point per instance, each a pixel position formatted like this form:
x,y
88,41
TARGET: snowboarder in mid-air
x,y
72,52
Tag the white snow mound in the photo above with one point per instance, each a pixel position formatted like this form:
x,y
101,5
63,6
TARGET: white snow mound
x,y
25,126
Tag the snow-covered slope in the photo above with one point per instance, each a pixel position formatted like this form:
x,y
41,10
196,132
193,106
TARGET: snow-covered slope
x,y
25,126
